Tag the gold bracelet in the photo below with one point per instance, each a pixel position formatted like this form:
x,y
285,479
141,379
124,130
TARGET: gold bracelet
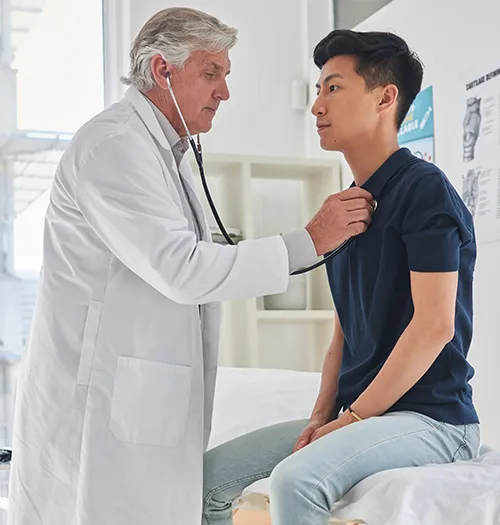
x,y
354,415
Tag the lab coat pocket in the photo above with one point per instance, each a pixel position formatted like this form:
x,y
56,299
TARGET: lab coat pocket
x,y
150,402
89,342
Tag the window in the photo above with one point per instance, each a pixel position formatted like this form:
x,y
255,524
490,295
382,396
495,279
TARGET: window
x,y
60,87
60,66
51,53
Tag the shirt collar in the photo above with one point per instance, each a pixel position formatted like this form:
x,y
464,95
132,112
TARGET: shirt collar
x,y
376,183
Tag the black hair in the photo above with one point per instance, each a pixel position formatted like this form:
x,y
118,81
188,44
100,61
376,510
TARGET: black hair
x,y
381,59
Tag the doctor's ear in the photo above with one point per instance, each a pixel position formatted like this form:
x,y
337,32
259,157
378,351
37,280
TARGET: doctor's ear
x,y
161,70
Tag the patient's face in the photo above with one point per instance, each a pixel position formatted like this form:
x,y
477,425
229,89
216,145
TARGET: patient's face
x,y
347,113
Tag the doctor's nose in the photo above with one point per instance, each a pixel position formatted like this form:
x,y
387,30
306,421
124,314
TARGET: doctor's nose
x,y
222,93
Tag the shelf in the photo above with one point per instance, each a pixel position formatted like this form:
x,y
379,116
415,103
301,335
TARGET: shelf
x,y
218,159
264,196
268,167
295,315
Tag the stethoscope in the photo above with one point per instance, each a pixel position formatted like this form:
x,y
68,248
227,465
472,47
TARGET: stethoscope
x,y
199,160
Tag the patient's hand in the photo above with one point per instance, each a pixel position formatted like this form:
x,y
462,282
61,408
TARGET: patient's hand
x,y
305,436
342,421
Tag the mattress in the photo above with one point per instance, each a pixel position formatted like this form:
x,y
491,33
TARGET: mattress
x,y
463,493
247,399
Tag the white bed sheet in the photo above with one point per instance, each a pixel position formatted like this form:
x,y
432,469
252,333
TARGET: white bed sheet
x,y
463,493
247,399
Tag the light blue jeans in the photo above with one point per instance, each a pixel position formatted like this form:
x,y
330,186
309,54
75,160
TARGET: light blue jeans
x,y
305,485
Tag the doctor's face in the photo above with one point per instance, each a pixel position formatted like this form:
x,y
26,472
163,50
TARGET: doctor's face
x,y
347,113
200,86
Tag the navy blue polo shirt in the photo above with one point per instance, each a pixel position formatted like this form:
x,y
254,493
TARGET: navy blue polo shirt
x,y
422,225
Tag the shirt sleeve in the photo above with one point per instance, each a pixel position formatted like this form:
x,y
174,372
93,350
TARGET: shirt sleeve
x,y
433,229
301,250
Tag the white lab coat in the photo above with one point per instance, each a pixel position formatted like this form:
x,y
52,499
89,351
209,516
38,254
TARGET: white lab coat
x,y
116,389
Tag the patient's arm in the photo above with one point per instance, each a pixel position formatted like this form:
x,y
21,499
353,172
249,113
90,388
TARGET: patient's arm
x,y
325,406
431,328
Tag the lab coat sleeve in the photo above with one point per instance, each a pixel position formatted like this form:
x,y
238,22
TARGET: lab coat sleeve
x,y
123,194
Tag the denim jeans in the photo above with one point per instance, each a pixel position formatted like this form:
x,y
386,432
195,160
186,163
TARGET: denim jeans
x,y
305,485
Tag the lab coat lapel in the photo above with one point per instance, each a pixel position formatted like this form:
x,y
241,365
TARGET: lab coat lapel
x,y
136,99
187,174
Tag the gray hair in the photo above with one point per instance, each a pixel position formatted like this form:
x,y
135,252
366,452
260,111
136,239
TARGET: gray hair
x,y
175,33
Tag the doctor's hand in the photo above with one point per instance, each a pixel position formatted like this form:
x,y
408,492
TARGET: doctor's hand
x,y
343,215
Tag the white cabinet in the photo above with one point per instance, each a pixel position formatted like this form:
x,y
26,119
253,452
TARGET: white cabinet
x,y
265,196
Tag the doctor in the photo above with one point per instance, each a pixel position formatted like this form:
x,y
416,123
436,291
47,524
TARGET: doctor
x,y
115,395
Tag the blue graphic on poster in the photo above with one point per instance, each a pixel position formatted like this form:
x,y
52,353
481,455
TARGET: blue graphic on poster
x,y
417,130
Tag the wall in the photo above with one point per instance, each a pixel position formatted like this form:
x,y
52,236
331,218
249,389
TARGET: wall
x,y
349,13
276,41
451,36
258,119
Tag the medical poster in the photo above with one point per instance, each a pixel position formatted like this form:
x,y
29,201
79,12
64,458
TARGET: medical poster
x,y
417,130
481,150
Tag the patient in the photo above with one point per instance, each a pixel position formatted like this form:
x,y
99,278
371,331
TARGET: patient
x,y
395,383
